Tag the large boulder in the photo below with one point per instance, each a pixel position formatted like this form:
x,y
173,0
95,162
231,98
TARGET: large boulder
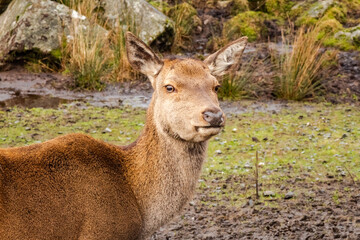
x,y
309,12
149,22
37,25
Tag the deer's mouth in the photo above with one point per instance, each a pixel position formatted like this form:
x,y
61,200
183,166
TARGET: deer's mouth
x,y
207,127
208,130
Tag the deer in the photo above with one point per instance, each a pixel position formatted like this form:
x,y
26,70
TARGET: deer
x,y
77,187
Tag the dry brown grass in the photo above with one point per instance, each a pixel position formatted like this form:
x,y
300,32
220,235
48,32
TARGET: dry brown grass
x,y
301,67
87,56
93,55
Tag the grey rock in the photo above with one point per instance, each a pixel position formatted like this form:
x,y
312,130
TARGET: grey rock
x,y
38,25
218,152
269,194
108,130
247,165
351,34
251,203
319,8
289,195
149,21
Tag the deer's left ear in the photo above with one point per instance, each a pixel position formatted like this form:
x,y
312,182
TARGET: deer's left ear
x,y
221,61
142,58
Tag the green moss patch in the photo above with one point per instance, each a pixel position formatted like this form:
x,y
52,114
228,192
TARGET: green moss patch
x,y
250,24
279,8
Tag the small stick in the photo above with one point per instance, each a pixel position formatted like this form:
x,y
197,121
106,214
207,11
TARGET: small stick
x,y
257,175
352,178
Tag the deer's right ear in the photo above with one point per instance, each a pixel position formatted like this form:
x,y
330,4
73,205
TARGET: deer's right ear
x,y
141,57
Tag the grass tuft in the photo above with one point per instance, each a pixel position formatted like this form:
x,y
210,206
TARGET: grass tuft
x,y
87,56
239,85
91,54
186,20
300,69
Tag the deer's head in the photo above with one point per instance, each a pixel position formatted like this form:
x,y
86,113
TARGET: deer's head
x,y
185,102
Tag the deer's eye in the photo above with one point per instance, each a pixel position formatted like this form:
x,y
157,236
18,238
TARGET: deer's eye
x,y
170,88
216,89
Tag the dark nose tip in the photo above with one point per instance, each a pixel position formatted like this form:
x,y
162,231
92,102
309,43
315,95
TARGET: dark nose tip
x,y
214,117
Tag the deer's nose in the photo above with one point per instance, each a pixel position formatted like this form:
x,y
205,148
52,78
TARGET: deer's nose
x,y
214,117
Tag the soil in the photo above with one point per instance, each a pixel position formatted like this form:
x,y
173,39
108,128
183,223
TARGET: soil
x,y
313,213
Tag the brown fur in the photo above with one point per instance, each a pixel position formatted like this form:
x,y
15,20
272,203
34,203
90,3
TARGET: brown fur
x,y
76,187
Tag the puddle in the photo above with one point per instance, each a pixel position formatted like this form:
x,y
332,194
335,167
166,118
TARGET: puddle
x,y
48,101
33,101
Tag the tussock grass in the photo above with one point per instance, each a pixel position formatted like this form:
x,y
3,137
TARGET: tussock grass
x,y
92,55
300,69
185,18
239,84
87,57
121,69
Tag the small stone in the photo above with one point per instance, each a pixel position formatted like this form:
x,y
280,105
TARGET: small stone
x,y
289,195
107,130
27,129
247,165
217,139
269,194
234,130
251,203
218,152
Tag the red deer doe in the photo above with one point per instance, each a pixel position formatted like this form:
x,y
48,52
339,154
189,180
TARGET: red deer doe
x,y
77,187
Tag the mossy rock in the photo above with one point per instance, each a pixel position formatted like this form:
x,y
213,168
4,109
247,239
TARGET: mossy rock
x,y
307,13
347,39
279,8
312,14
160,5
250,24
327,29
239,6
185,16
257,5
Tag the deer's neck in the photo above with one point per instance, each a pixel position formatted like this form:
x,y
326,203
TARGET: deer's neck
x,y
163,172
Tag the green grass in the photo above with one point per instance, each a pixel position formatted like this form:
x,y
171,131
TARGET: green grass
x,y
311,143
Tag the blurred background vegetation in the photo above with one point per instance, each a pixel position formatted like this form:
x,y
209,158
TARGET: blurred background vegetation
x,y
293,46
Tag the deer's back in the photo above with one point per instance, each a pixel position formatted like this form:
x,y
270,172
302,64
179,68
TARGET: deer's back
x,y
70,187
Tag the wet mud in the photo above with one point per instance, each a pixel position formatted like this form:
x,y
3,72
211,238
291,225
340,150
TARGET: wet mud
x,y
313,213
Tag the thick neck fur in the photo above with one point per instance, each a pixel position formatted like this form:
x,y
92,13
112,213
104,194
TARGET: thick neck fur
x,y
163,172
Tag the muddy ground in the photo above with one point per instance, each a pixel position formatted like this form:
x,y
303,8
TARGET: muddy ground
x,y
310,214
